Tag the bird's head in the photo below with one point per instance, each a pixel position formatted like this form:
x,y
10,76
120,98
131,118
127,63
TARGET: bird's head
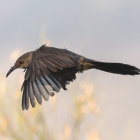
x,y
22,62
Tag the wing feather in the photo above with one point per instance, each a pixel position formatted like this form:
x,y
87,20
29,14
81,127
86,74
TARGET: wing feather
x,y
48,88
26,97
50,70
36,92
52,82
23,100
42,89
31,94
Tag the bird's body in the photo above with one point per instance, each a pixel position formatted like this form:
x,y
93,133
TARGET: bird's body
x,y
49,69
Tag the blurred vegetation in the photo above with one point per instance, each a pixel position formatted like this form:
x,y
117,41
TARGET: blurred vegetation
x,y
63,117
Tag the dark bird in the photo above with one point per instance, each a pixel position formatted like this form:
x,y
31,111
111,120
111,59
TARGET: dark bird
x,y
49,69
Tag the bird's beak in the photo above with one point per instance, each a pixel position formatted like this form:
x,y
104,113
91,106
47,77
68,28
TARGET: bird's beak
x,y
12,69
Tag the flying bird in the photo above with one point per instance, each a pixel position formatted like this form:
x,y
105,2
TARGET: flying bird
x,y
49,69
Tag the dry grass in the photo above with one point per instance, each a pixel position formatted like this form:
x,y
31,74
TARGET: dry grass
x,y
49,121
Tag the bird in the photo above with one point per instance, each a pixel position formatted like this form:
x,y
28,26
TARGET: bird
x,y
49,69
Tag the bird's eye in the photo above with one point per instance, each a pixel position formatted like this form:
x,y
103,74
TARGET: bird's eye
x,y
21,62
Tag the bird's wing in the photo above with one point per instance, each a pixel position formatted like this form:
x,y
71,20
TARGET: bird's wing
x,y
50,70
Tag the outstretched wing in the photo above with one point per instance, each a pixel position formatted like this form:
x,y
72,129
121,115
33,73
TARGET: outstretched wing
x,y
50,70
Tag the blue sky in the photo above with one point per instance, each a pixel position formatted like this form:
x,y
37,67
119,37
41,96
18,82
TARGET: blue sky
x,y
106,30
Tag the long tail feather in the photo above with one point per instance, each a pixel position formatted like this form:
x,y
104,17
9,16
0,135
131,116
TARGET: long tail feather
x,y
118,68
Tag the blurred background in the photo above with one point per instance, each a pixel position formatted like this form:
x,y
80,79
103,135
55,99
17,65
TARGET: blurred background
x,y
98,105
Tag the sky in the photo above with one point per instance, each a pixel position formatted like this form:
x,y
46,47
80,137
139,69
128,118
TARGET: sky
x,y
104,30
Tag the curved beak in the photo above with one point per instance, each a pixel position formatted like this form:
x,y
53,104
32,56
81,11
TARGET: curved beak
x,y
12,69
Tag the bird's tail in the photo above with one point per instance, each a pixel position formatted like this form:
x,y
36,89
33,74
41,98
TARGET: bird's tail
x,y
117,68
